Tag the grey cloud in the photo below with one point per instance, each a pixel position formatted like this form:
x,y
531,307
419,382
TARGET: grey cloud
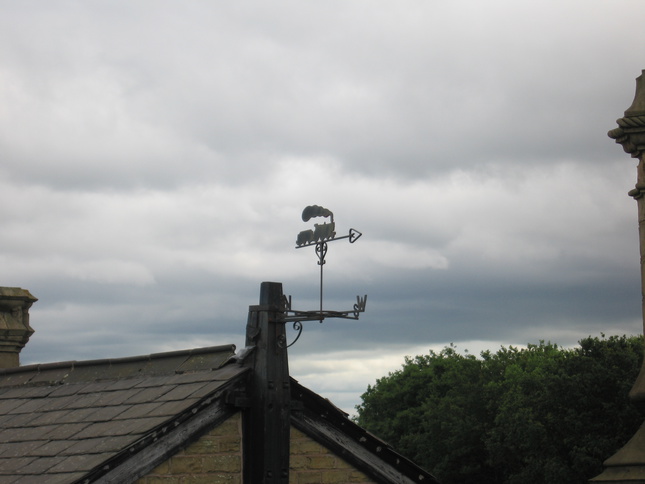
x,y
160,156
142,102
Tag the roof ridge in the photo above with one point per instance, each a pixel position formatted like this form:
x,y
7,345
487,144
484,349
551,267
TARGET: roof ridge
x,y
71,364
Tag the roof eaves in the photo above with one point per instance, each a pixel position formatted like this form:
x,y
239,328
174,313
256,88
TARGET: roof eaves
x,y
327,424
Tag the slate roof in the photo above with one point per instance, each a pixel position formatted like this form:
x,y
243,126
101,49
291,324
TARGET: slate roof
x,y
114,420
78,421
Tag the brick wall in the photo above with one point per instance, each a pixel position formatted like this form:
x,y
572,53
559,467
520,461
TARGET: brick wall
x,y
311,463
216,458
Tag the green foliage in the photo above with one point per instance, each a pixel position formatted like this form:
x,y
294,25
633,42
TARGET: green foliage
x,y
541,414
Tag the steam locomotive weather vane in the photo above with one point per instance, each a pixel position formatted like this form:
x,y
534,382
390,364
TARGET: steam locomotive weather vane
x,y
319,237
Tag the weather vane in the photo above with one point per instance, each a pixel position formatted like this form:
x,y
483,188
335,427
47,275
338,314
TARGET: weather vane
x,y
319,237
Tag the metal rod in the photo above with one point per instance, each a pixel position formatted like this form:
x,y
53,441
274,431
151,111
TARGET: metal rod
x,y
321,250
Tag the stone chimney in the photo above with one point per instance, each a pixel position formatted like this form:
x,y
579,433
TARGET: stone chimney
x,y
14,324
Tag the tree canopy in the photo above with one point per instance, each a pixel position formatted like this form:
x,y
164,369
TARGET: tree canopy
x,y
540,414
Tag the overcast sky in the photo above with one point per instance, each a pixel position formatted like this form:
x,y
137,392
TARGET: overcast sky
x,y
155,158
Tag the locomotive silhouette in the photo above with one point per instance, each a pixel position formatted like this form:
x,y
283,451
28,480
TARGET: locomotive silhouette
x,y
321,232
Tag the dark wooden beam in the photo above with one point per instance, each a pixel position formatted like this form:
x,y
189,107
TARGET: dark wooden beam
x,y
322,421
267,422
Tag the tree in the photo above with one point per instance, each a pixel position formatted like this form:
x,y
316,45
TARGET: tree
x,y
540,414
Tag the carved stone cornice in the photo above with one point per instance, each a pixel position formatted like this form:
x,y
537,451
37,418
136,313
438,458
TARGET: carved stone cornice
x,y
631,128
638,191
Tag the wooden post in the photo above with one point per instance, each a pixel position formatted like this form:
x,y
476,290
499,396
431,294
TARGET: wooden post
x,y
267,421
628,464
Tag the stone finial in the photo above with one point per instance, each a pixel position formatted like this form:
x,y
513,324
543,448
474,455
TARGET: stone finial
x,y
631,130
14,324
628,464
